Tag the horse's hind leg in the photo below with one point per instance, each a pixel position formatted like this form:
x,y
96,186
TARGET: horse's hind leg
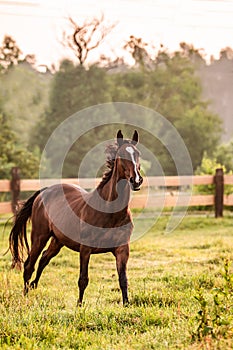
x,y
53,249
38,243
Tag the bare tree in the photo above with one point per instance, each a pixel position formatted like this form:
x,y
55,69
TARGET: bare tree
x,y
86,37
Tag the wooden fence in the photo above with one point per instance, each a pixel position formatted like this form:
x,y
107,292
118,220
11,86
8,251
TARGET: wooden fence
x,y
150,196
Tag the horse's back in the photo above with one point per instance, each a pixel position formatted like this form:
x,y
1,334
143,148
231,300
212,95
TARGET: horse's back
x,y
60,194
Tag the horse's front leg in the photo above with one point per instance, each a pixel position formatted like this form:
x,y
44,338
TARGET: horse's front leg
x,y
122,256
85,253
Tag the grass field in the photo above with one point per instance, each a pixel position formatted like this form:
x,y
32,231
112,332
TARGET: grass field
x,y
180,289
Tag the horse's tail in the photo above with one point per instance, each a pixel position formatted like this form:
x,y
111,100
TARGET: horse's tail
x,y
18,242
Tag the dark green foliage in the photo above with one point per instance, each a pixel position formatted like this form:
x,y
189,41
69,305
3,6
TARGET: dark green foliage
x,y
194,127
223,155
169,86
73,89
25,93
22,99
13,154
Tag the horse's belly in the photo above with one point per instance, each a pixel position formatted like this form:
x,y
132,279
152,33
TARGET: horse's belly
x,y
66,241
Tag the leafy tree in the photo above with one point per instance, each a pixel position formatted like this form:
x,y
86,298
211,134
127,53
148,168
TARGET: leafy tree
x,y
169,86
223,155
138,49
208,166
25,92
9,53
13,154
200,130
74,88
226,53
189,51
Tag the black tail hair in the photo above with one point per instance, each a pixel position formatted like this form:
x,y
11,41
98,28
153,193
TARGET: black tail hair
x,y
18,236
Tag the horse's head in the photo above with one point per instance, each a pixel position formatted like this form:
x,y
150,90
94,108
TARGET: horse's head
x,y
128,160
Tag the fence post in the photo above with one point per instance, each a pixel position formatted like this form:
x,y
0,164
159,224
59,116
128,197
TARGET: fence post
x,y
15,188
219,192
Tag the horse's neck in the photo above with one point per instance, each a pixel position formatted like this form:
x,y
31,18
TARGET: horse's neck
x,y
117,188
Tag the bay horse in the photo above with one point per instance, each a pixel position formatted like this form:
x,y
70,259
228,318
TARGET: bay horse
x,y
87,222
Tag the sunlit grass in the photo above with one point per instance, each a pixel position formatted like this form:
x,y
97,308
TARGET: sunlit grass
x,y
165,272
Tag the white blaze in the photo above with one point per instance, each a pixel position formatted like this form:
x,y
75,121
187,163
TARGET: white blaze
x,y
130,150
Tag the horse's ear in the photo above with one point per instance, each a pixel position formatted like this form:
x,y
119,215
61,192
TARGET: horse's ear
x,y
135,137
119,138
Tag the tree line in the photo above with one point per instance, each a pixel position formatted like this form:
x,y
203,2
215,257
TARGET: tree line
x,y
166,83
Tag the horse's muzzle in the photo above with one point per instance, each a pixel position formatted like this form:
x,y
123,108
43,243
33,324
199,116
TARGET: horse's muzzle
x,y
135,186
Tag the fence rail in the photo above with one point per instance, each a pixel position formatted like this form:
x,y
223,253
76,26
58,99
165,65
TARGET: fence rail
x,y
170,197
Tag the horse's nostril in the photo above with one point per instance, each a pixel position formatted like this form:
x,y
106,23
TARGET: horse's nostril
x,y
131,180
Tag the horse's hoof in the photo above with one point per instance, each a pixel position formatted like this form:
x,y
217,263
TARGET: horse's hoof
x,y
33,285
126,304
25,291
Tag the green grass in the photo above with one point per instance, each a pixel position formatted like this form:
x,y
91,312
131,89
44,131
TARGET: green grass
x,y
167,273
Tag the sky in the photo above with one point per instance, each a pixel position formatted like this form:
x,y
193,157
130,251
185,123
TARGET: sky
x,y
37,25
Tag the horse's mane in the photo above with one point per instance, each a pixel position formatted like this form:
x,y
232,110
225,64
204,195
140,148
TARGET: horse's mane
x,y
111,151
